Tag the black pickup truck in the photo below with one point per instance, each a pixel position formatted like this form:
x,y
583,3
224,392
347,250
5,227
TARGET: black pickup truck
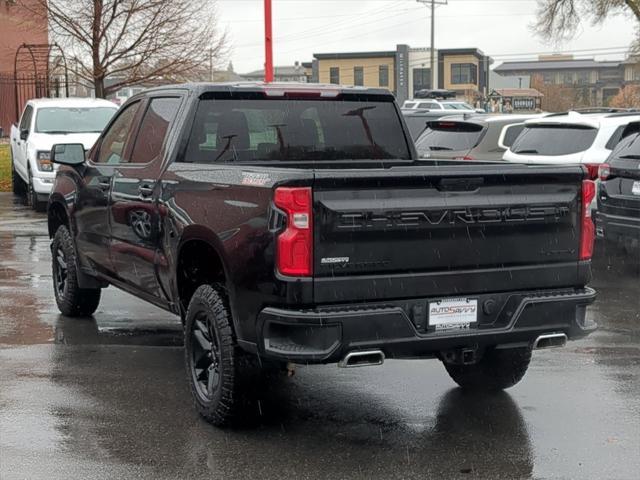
x,y
294,223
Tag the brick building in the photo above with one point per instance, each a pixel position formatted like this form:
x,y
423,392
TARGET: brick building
x,y
17,26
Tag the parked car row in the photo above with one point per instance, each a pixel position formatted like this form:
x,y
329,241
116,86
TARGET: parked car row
x,y
601,140
587,137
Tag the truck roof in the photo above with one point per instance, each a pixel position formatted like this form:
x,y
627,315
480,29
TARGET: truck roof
x,y
275,87
71,102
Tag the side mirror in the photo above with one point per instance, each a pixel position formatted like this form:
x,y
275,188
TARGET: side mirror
x,y
24,134
71,154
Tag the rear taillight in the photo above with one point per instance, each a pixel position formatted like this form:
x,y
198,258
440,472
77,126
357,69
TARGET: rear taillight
x,y
593,168
587,232
294,255
466,157
604,171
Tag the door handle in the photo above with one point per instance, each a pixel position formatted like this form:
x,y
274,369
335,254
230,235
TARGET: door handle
x,y
145,190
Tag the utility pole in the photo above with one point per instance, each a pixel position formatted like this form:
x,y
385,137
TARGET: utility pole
x,y
268,43
433,28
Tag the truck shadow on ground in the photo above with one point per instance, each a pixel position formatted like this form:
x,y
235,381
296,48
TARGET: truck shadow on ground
x,y
316,425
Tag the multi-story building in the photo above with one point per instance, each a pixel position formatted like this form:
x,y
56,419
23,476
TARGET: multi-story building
x,y
406,70
370,69
591,82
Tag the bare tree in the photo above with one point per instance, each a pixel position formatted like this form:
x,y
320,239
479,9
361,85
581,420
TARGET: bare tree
x,y
628,97
559,19
136,41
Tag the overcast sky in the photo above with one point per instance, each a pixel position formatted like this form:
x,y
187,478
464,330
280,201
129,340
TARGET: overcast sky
x,y
498,27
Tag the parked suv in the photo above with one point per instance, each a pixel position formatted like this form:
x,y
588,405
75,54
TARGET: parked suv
x,y
295,223
463,137
570,137
43,123
618,217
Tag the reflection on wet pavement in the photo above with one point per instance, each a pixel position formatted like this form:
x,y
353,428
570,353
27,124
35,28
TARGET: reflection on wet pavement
x,y
106,397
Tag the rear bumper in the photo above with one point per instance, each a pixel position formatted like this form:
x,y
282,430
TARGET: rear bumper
x,y
400,328
619,229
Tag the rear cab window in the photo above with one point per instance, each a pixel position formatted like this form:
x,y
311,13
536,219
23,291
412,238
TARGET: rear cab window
x,y
554,139
259,129
449,136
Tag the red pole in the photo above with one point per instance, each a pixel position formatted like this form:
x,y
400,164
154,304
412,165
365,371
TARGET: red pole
x,y
268,43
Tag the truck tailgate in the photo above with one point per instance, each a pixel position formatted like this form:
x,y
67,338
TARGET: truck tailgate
x,y
421,231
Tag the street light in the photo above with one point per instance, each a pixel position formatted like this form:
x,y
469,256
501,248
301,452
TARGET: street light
x,y
433,24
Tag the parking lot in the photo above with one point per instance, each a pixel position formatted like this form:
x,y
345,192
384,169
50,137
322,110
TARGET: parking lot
x,y
106,397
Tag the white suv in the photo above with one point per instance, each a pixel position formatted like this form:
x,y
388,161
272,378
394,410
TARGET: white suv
x,y
570,137
43,123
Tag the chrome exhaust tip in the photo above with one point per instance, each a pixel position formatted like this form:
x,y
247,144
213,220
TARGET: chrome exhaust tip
x,y
362,358
550,340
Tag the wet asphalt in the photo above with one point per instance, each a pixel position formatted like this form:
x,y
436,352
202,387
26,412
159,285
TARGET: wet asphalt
x,y
106,397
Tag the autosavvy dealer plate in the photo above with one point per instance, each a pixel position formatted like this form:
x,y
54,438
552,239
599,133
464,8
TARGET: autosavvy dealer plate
x,y
453,313
635,188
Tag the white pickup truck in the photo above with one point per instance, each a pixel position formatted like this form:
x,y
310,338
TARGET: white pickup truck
x,y
43,123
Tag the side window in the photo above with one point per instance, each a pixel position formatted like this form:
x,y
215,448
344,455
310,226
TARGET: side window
x,y
113,143
615,138
25,122
154,128
510,133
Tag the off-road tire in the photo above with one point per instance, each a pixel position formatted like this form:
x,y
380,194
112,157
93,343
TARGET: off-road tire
x,y
32,196
237,372
72,300
497,369
18,186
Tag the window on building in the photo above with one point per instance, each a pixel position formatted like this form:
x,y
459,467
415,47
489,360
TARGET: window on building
x,y
583,78
421,79
334,75
567,78
358,76
547,78
383,75
464,73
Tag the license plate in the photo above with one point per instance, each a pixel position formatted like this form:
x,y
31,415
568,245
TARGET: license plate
x,y
453,313
635,188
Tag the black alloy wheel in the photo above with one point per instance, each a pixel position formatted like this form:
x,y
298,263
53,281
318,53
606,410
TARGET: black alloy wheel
x,y
205,360
60,272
